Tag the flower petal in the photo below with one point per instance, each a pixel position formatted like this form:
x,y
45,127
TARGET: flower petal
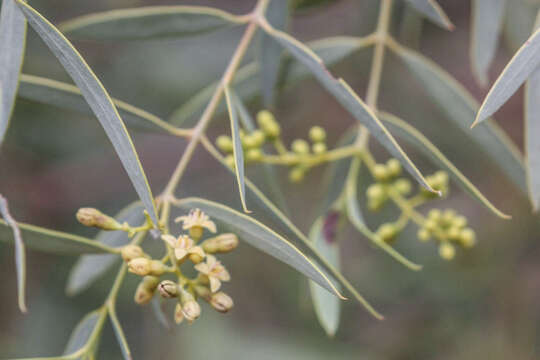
x,y
202,268
169,239
215,284
180,253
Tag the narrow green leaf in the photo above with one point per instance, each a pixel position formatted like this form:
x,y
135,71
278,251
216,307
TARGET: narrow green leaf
x,y
149,23
238,152
532,129
20,253
277,14
246,81
90,268
98,99
85,331
263,238
432,11
419,142
460,107
519,19
347,98
12,43
520,67
487,21
357,220
119,332
66,96
327,307
52,241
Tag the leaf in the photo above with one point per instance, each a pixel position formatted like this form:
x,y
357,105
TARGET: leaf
x,y
460,107
52,241
518,21
487,21
67,96
246,81
419,142
90,268
347,98
12,43
327,307
277,14
263,238
357,220
532,129
85,330
520,67
98,99
238,152
433,12
149,23
20,254
119,333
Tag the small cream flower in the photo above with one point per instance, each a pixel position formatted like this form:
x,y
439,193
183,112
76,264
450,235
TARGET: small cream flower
x,y
215,271
196,218
183,245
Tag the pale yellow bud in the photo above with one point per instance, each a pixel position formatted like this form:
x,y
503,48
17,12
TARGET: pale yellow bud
x,y
268,124
258,138
447,251
403,186
319,148
220,244
145,290
195,258
224,143
95,218
221,302
130,252
423,234
300,146
380,172
393,166
467,237
387,232
254,154
434,214
229,160
375,192
178,313
317,134
296,175
459,221
157,267
140,266
168,289
191,310
196,232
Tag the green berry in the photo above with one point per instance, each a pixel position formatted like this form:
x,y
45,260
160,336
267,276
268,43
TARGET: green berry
x,y
268,124
434,214
403,186
258,137
375,192
224,143
467,237
423,235
229,160
317,134
319,148
459,221
453,233
300,146
254,154
249,142
387,232
431,225
447,251
265,117
380,172
442,178
296,175
448,216
393,167
374,205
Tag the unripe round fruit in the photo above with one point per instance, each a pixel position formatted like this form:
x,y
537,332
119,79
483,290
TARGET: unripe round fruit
x,y
459,221
258,137
454,233
224,143
403,186
375,192
434,214
448,216
249,142
393,167
300,146
254,154
380,172
387,232
431,225
317,134
447,251
229,160
319,148
467,237
268,124
296,175
423,234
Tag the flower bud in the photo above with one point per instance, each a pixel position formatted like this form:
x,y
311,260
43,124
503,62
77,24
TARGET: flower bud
x,y
221,302
95,218
296,175
268,124
317,134
140,266
229,160
203,292
130,252
249,142
393,166
300,147
423,234
178,313
375,192
467,237
319,148
448,216
145,290
168,289
157,267
403,186
191,310
447,251
220,244
387,232
380,172
434,214
258,137
195,258
453,233
224,143
459,221
254,154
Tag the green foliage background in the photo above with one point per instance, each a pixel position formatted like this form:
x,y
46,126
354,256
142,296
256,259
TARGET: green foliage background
x,y
482,305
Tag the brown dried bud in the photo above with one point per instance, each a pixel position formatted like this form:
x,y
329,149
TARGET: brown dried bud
x,y
168,289
95,218
130,252
140,266
221,302
191,310
220,244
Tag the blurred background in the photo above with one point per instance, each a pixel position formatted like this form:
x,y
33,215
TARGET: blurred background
x,y
481,305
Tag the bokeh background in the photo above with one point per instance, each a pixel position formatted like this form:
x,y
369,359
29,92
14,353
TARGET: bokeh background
x,y
482,305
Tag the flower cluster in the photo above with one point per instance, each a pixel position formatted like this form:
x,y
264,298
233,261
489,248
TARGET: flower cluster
x,y
185,249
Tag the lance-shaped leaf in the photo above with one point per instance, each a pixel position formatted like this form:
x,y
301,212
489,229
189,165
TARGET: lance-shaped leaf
x,y
52,241
66,96
149,23
238,152
354,215
90,268
419,142
263,238
98,99
12,44
487,20
432,11
246,81
327,307
532,129
20,254
347,98
520,67
277,14
460,107
86,332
